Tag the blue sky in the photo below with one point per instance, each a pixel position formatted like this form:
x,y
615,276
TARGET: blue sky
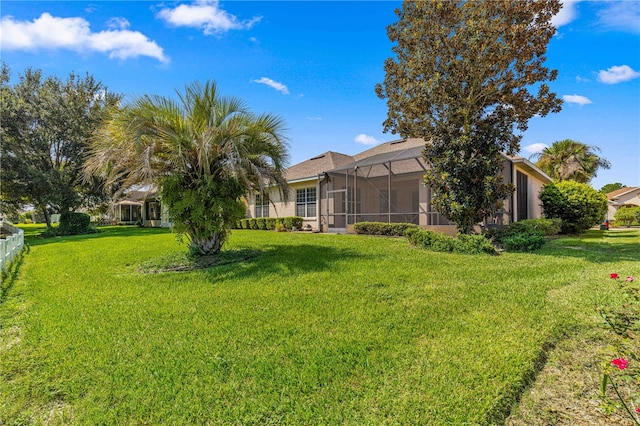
x,y
316,64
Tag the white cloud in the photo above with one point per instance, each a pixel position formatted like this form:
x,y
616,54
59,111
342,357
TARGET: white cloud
x,y
621,15
366,139
118,24
273,84
52,33
314,118
577,99
205,15
535,148
617,74
567,14
582,79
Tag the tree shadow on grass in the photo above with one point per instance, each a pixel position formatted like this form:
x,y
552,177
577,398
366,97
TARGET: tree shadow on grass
x,y
110,231
10,276
285,260
597,246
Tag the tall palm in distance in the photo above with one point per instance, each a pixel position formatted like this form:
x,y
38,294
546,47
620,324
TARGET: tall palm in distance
x,y
204,152
571,160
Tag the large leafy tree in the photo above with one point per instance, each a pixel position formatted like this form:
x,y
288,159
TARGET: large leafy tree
x,y
571,160
205,153
461,79
610,187
46,126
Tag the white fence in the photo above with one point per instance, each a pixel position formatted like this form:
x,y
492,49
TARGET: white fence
x,y
11,245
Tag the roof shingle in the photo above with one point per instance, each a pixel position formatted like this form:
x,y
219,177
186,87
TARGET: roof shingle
x,y
316,165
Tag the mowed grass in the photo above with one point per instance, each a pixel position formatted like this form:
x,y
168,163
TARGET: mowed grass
x,y
317,329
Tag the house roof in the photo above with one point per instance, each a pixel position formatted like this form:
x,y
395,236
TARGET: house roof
x,y
391,146
384,157
398,151
138,197
312,167
622,191
395,151
529,167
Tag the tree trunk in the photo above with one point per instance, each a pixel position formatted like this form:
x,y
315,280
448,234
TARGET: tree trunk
x,y
47,216
205,246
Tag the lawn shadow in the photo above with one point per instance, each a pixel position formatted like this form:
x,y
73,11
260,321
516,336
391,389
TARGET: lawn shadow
x,y
109,231
597,246
285,260
10,276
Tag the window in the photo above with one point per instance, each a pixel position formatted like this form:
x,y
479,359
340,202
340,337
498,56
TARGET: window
x,y
153,210
129,213
306,202
125,213
262,205
522,185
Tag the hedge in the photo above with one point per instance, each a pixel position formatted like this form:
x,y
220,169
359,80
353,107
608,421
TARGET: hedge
x,y
383,228
626,216
435,241
292,223
71,223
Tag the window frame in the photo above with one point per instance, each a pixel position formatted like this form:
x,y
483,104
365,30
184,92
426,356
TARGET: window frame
x,y
307,199
261,205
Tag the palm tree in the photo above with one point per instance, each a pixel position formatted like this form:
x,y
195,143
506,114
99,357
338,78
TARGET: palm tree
x,y
204,152
571,160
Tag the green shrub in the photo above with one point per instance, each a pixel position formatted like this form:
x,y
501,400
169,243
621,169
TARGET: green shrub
x,y
441,242
435,241
293,223
71,223
523,242
382,228
548,227
271,223
495,234
578,205
419,237
627,215
473,244
525,235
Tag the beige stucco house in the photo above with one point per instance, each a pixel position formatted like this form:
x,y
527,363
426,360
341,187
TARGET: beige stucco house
x,y
141,207
333,191
622,197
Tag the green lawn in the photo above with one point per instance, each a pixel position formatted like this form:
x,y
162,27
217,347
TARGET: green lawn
x,y
317,329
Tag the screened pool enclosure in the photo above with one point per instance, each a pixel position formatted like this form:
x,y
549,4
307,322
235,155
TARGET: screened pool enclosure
x,y
383,188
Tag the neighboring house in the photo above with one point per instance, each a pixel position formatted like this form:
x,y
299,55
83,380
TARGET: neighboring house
x,y
622,197
334,191
141,207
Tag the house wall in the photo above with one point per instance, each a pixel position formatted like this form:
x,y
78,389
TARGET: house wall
x,y
633,198
369,190
278,208
163,222
534,186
